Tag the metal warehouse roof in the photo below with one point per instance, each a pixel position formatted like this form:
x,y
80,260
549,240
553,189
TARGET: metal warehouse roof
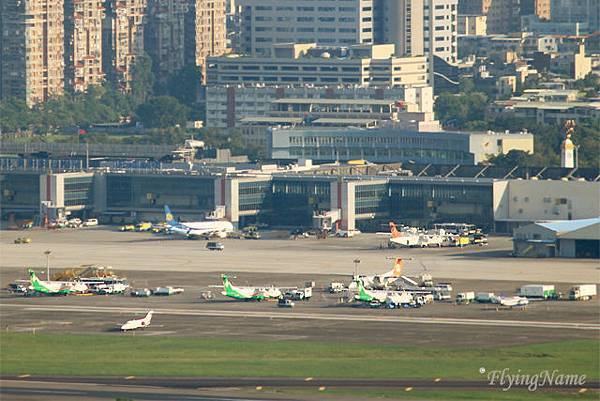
x,y
567,228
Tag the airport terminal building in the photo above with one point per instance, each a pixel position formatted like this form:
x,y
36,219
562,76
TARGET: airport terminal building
x,y
364,197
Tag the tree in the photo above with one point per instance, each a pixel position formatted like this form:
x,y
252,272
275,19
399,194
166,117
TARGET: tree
x,y
162,112
142,79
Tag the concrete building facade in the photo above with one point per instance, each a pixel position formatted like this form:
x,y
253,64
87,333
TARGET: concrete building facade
x,y
164,35
83,44
325,22
295,64
472,25
205,32
32,49
390,144
123,39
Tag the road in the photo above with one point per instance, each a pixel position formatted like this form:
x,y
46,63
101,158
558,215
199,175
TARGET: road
x,y
314,316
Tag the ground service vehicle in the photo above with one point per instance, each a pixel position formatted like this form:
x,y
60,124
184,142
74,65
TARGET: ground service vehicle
x,y
215,246
23,240
582,292
143,226
543,291
127,227
141,292
285,303
166,291
336,287
90,222
465,297
485,297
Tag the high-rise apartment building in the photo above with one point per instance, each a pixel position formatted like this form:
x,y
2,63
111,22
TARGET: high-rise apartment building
x,y
325,22
420,27
205,32
164,35
504,17
32,50
83,44
123,39
441,29
585,11
541,8
474,7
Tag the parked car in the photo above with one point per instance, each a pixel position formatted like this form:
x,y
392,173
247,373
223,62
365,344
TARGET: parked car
x,y
215,246
90,222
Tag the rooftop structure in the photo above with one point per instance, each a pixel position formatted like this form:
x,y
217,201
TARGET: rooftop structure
x,y
365,65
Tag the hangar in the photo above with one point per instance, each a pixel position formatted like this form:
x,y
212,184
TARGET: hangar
x,y
559,238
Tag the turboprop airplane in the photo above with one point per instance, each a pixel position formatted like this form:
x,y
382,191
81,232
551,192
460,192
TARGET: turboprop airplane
x,y
382,281
394,298
405,238
56,287
138,323
248,293
197,228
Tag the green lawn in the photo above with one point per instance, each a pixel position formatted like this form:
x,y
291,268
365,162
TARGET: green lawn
x,y
70,354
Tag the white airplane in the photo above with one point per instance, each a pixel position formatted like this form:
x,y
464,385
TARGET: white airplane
x,y
406,238
56,287
138,323
512,301
248,293
381,296
382,281
197,228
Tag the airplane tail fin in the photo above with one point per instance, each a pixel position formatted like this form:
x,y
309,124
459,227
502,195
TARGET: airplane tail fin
x,y
169,216
361,288
148,317
35,281
394,230
226,283
398,265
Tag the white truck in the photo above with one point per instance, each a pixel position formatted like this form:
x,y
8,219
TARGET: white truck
x,y
465,297
485,297
299,294
582,292
541,291
166,291
336,287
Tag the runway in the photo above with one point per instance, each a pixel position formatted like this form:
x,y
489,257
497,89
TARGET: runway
x,y
292,315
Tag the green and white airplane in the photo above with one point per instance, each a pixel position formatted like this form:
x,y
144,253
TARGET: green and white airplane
x,y
248,293
381,296
55,287
365,295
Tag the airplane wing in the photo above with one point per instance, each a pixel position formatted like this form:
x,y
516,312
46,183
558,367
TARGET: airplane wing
x,y
386,234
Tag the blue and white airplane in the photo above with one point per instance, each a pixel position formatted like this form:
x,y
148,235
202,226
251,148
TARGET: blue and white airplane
x,y
207,228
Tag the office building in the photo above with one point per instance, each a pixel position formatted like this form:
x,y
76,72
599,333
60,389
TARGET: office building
x,y
83,44
296,64
32,49
123,39
325,22
393,144
205,32
164,39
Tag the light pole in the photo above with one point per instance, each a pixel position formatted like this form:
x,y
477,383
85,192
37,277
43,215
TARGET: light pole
x,y
47,253
356,262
